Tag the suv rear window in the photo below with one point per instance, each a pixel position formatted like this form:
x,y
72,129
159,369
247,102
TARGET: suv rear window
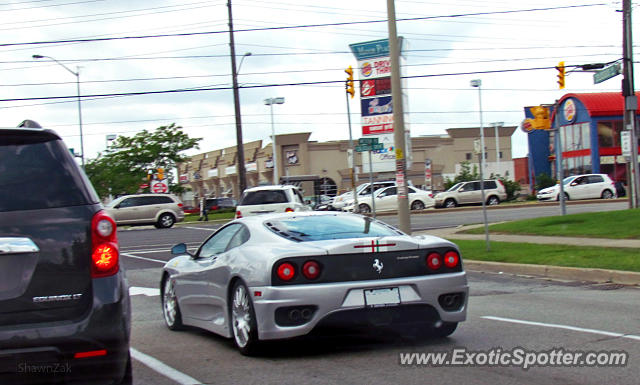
x,y
36,172
263,197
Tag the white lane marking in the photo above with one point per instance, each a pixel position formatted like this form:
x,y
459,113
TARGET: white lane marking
x,y
148,291
201,228
143,258
566,327
163,368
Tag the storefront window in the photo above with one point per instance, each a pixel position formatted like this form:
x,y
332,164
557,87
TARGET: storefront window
x,y
575,137
609,133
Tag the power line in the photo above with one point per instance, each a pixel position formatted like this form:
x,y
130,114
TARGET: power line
x,y
265,85
300,26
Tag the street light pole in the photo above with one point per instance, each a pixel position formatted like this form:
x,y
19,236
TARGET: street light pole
x,y
478,83
77,75
270,102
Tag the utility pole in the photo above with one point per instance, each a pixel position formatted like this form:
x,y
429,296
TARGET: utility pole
x,y
630,100
404,222
242,180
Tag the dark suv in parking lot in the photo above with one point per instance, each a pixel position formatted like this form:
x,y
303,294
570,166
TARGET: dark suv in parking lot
x,y
64,303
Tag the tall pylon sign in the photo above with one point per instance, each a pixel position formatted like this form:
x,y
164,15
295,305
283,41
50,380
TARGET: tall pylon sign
x,y
376,104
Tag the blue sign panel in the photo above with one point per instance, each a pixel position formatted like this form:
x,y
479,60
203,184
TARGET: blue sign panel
x,y
370,49
376,106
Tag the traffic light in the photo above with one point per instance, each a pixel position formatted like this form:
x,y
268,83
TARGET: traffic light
x,y
349,84
560,68
160,173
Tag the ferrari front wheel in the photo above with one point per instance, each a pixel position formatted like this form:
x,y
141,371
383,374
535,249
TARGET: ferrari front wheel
x,y
243,320
170,308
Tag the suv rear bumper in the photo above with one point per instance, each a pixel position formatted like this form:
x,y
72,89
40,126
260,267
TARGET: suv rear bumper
x,y
44,354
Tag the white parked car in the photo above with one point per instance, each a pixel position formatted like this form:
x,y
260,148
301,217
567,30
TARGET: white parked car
x,y
270,199
587,186
387,199
342,201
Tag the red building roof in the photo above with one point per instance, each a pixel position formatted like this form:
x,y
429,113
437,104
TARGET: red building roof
x,y
601,103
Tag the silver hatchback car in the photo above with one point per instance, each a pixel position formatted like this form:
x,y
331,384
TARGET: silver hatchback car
x,y
160,210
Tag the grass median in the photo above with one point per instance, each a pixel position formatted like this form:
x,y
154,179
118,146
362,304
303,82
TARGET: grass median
x,y
555,255
622,224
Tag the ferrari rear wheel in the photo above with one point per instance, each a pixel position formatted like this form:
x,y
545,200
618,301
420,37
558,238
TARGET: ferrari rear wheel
x,y
243,320
170,308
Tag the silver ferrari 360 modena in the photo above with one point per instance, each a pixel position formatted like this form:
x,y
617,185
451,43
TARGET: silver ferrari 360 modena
x,y
278,276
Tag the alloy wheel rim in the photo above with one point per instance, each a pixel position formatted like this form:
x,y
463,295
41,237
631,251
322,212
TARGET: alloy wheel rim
x,y
166,220
241,316
169,302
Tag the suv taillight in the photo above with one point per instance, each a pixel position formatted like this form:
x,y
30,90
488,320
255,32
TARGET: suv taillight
x,y
104,246
238,214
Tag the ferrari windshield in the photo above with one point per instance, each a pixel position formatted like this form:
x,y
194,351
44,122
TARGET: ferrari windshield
x,y
324,227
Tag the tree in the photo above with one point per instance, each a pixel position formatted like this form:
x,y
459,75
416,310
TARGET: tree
x,y
126,163
465,175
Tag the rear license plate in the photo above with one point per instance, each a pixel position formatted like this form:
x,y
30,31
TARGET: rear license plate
x,y
382,297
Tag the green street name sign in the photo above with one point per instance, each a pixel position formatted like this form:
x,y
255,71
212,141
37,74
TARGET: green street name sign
x,y
368,141
606,73
366,147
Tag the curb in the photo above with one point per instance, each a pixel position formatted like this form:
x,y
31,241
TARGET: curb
x,y
556,272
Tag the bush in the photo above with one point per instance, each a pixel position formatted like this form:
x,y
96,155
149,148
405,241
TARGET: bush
x,y
543,181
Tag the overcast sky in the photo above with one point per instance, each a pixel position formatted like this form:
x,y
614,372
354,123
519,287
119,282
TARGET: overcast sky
x,y
441,56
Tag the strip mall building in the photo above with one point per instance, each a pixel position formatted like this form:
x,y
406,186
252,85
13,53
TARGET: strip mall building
x,y
590,126
214,174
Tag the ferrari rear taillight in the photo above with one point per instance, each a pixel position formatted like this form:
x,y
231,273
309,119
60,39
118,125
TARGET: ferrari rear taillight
x,y
311,270
104,241
434,261
451,259
288,210
286,271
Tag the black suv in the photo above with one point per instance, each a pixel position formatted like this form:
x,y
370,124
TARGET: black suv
x,y
64,304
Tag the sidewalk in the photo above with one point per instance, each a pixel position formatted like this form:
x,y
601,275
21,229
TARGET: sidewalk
x,y
555,272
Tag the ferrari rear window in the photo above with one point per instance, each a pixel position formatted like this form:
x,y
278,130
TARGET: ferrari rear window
x,y
325,227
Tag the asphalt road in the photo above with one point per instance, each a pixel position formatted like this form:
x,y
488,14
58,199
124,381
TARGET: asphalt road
x,y
505,312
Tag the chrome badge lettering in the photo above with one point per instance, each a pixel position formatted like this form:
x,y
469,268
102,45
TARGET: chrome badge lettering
x,y
378,265
57,298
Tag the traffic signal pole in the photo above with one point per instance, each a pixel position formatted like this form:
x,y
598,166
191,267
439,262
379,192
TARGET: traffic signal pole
x,y
351,91
630,102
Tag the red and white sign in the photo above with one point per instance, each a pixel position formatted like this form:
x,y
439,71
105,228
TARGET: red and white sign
x,y
375,68
184,178
375,87
159,186
380,124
